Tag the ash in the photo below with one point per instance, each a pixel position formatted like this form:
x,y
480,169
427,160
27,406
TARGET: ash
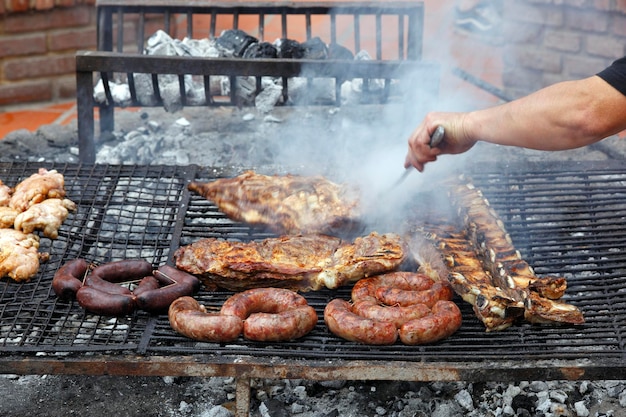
x,y
310,140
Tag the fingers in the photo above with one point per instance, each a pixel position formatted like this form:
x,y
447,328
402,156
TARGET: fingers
x,y
420,152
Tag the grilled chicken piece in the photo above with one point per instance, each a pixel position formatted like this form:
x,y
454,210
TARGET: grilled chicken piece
x,y
302,263
287,204
5,194
509,271
36,188
7,217
19,256
46,216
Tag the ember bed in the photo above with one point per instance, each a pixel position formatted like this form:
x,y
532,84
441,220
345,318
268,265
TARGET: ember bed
x,y
566,219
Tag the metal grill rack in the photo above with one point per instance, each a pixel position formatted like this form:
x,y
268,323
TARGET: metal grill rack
x,y
566,220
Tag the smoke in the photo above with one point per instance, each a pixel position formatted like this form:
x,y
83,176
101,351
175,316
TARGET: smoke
x,y
366,145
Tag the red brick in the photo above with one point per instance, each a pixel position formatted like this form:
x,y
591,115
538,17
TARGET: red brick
x,y
523,12
55,18
27,92
73,39
620,6
605,46
532,58
18,6
619,26
20,69
22,45
563,41
603,5
65,87
580,67
587,21
44,4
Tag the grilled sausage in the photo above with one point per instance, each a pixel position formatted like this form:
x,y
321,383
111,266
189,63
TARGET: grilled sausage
x,y
177,284
365,289
69,278
123,271
443,322
344,323
271,314
94,281
191,319
147,283
106,277
290,324
262,300
99,302
402,297
396,315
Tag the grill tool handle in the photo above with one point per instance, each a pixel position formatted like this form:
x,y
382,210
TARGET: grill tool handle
x,y
435,139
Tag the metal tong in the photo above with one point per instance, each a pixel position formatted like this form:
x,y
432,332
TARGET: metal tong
x,y
435,139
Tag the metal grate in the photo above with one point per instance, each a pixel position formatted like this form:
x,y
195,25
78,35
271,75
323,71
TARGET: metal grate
x,y
564,221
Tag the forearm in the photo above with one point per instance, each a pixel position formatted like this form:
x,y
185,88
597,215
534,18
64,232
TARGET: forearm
x,y
563,116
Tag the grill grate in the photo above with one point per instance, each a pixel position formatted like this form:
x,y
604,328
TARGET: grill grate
x,y
567,222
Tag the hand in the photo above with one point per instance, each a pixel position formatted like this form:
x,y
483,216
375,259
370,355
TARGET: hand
x,y
454,141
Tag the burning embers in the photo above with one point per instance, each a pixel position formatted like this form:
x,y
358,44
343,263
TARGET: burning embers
x,y
489,273
235,43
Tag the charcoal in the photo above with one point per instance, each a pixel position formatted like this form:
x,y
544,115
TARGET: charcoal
x,y
260,50
315,48
234,42
336,51
288,48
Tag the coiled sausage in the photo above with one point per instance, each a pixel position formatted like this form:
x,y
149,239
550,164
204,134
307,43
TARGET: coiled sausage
x,y
443,322
396,315
123,271
401,297
344,323
190,318
99,302
176,283
147,283
365,288
271,314
69,278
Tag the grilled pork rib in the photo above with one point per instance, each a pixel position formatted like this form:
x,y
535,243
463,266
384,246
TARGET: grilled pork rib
x,y
303,262
288,204
509,272
496,308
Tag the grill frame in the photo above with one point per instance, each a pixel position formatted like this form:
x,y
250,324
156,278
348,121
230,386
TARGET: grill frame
x,y
111,61
119,198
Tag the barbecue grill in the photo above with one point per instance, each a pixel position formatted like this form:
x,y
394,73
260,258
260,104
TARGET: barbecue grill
x,y
566,219
392,31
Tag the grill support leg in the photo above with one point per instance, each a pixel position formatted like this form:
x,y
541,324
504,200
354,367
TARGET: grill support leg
x,y
242,401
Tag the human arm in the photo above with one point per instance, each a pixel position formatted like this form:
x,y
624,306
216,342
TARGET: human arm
x,y
563,116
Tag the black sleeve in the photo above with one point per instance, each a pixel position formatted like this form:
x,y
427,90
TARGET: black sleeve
x,y
616,75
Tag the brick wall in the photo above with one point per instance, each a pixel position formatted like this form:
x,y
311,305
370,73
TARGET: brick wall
x,y
547,41
38,40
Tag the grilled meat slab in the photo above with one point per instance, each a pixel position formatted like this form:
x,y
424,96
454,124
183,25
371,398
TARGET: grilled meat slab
x,y
302,262
288,204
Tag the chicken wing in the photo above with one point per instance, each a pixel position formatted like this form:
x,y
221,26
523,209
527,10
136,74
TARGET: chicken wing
x,y
46,216
36,188
19,256
5,194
